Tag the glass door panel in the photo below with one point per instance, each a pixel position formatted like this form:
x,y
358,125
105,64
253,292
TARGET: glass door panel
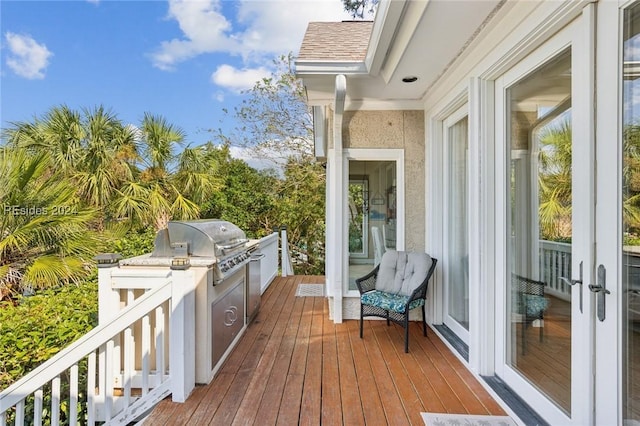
x,y
457,233
539,145
358,216
630,210
371,214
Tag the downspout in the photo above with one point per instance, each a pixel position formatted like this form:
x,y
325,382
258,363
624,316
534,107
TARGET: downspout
x,y
336,215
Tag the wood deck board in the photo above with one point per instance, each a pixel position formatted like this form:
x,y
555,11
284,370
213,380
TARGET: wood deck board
x,y
312,389
367,386
349,391
376,339
294,365
330,374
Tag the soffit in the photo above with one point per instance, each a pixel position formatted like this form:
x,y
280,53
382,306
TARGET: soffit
x,y
427,37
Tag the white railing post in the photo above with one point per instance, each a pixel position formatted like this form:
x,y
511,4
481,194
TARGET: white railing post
x,y
108,296
287,268
108,307
182,336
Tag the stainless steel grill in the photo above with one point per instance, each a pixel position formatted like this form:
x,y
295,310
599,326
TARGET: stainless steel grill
x,y
219,240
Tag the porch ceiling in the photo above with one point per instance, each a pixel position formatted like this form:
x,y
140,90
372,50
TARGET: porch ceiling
x,y
417,39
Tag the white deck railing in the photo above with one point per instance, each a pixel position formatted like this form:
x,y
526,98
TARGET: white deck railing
x,y
555,262
74,386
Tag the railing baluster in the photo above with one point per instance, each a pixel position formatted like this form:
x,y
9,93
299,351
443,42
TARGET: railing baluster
x,y
547,266
108,382
20,413
129,351
73,395
128,360
159,332
146,348
91,388
55,401
37,407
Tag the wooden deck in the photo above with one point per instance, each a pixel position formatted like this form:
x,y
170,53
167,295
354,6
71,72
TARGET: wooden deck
x,y
295,366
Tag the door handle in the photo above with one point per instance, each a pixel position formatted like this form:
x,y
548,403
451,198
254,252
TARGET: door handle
x,y
574,282
600,289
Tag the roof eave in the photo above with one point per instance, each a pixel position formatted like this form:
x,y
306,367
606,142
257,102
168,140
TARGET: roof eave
x,y
311,67
384,29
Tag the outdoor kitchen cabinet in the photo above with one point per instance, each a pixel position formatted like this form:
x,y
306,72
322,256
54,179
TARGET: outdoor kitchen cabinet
x,y
227,320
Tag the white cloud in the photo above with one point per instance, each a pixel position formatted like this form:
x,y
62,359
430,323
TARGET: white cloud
x,y
278,26
237,80
260,29
632,49
27,58
249,157
219,96
204,29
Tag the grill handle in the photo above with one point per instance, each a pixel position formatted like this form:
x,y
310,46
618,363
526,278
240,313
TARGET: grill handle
x,y
234,245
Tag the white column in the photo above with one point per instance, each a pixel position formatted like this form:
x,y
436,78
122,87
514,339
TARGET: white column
x,y
482,227
336,214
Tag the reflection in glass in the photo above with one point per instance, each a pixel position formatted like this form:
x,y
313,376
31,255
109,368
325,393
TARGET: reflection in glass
x,y
631,214
458,240
539,304
358,209
371,210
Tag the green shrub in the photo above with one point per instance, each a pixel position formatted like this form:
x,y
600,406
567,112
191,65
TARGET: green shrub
x,y
34,328
135,243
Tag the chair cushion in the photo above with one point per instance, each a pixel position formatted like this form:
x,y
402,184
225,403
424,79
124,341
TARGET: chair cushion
x,y
389,301
535,304
402,272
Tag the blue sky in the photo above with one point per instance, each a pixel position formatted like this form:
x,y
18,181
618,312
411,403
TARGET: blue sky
x,y
184,60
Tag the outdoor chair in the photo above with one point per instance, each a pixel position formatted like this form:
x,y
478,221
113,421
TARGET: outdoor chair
x,y
530,303
395,287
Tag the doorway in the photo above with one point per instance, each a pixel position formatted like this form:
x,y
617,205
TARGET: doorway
x,y
371,210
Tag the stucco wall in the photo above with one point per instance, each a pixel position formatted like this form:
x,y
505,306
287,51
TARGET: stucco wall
x,y
397,130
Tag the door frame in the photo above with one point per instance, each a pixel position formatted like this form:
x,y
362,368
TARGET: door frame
x,y
379,154
609,372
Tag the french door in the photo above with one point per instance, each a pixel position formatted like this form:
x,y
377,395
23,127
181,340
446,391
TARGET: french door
x,y
545,162
615,288
568,120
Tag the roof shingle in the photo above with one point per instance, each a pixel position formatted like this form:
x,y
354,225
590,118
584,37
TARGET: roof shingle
x,y
336,41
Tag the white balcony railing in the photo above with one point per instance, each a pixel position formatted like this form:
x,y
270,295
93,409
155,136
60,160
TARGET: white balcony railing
x,y
555,262
73,387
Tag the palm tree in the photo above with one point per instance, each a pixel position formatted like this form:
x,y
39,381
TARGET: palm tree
x,y
554,181
108,146
128,173
44,229
92,149
159,164
631,178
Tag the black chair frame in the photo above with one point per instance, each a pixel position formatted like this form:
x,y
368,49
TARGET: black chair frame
x,y
527,286
368,283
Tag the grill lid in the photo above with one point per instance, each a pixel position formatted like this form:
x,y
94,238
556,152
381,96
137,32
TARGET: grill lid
x,y
206,238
